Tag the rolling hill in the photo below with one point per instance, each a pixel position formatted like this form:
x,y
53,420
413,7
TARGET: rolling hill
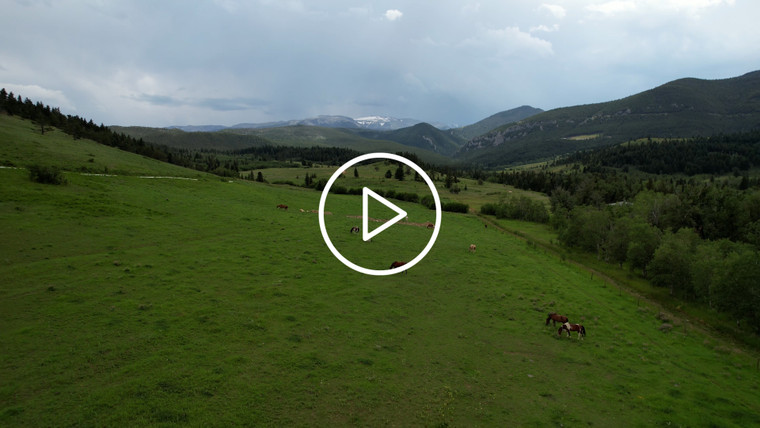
x,y
157,301
682,108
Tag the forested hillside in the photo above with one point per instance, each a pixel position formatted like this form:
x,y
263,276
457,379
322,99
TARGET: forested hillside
x,y
679,109
690,222
717,154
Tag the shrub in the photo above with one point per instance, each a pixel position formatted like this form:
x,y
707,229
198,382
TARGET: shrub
x,y
408,197
320,184
339,190
46,174
455,207
521,208
428,202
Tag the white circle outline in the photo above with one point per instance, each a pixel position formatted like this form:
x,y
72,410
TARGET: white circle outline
x,y
326,237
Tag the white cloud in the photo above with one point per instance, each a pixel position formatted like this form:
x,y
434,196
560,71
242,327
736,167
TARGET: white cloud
x,y
690,7
613,7
555,9
544,28
393,14
507,42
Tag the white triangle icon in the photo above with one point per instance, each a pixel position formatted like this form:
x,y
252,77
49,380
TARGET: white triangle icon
x,y
366,234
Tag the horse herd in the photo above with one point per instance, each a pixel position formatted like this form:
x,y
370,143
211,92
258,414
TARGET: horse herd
x,y
566,325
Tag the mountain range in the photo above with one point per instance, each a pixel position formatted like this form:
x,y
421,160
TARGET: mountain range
x,y
679,109
378,123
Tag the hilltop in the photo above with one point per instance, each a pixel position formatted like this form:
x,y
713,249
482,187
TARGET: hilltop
x,y
682,108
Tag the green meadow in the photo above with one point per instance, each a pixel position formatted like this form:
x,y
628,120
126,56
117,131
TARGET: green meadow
x,y
471,192
132,301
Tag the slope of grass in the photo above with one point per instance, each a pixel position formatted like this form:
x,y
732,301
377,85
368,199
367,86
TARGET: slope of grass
x,y
21,145
132,301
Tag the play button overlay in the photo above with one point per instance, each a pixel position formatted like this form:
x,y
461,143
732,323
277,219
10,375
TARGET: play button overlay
x,y
400,214
366,234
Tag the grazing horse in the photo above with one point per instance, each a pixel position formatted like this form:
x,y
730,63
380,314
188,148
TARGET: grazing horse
x,y
472,248
554,317
282,207
572,327
355,229
430,226
396,264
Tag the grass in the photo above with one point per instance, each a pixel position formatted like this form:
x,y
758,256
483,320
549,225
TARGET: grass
x,y
132,301
373,175
584,137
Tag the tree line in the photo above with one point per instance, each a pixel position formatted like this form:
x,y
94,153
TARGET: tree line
x,y
718,154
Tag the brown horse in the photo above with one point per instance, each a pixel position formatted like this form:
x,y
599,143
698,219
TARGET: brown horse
x,y
282,207
396,264
554,317
572,327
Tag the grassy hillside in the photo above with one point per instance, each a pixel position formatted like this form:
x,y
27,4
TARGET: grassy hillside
x,y
22,145
132,301
682,108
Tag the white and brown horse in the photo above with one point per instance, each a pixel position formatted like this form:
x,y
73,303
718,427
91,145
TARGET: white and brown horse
x,y
572,327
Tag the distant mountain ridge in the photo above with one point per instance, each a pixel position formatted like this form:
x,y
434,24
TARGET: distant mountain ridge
x,y
422,135
494,121
378,123
681,108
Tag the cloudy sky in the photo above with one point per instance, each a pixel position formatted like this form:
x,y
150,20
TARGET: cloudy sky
x,y
161,63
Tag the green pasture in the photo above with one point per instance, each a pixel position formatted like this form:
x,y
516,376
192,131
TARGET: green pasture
x,y
373,176
128,301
